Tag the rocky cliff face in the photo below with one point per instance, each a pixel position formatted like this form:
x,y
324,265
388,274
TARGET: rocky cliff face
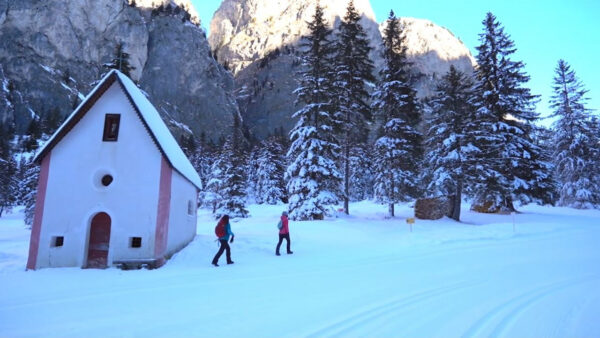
x,y
244,31
51,51
258,40
432,49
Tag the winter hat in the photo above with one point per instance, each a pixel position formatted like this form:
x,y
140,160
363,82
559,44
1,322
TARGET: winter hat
x,y
284,213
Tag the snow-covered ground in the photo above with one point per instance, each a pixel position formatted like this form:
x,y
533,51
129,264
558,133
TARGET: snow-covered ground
x,y
362,275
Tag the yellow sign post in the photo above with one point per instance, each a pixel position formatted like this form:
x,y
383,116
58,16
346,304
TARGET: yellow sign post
x,y
410,221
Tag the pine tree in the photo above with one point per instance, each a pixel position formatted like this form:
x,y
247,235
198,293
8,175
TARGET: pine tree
x,y
575,142
8,169
120,61
513,164
353,69
595,122
361,173
539,184
233,190
313,178
212,194
251,170
202,160
270,186
8,184
398,148
452,137
28,190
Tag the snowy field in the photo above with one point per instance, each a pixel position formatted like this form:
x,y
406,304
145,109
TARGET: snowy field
x,y
349,276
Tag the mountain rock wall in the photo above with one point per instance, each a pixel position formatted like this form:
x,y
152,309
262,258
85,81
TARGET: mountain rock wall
x,y
52,51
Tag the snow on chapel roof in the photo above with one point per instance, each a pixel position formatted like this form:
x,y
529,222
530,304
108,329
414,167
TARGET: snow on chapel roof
x,y
150,117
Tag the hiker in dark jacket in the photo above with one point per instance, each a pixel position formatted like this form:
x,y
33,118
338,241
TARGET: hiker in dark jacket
x,y
224,246
284,232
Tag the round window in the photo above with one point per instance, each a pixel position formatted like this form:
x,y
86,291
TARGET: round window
x,y
107,180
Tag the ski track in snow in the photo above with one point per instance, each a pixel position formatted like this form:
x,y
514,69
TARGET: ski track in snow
x,y
385,311
497,322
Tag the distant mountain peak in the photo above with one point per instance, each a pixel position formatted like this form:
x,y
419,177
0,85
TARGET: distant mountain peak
x,y
186,4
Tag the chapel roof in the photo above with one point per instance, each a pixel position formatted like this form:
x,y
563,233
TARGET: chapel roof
x,y
148,115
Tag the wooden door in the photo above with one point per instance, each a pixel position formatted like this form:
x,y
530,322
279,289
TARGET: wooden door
x,y
99,240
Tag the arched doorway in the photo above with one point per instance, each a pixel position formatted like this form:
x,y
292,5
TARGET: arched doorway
x,y
99,240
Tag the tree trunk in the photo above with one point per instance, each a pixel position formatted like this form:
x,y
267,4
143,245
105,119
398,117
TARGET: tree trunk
x,y
392,195
508,204
457,201
347,175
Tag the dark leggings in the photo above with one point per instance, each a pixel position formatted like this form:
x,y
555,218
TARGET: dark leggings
x,y
224,246
281,237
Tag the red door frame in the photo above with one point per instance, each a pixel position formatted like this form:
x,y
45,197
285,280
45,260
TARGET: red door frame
x,y
98,244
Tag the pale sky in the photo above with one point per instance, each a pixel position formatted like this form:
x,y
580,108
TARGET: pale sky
x,y
544,31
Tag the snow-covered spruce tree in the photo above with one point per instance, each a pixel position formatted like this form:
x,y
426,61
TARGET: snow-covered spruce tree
x,y
212,193
575,143
202,160
8,184
313,178
544,139
270,186
28,191
8,169
120,61
233,187
252,174
452,136
596,155
513,164
353,70
361,173
398,148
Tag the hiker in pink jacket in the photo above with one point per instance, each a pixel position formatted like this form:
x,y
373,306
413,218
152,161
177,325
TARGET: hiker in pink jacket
x,y
284,232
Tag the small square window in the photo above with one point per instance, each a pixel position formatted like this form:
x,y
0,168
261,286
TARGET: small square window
x,y
58,241
111,127
136,242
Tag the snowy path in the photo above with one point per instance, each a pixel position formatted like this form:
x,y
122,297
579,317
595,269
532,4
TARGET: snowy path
x,y
355,276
